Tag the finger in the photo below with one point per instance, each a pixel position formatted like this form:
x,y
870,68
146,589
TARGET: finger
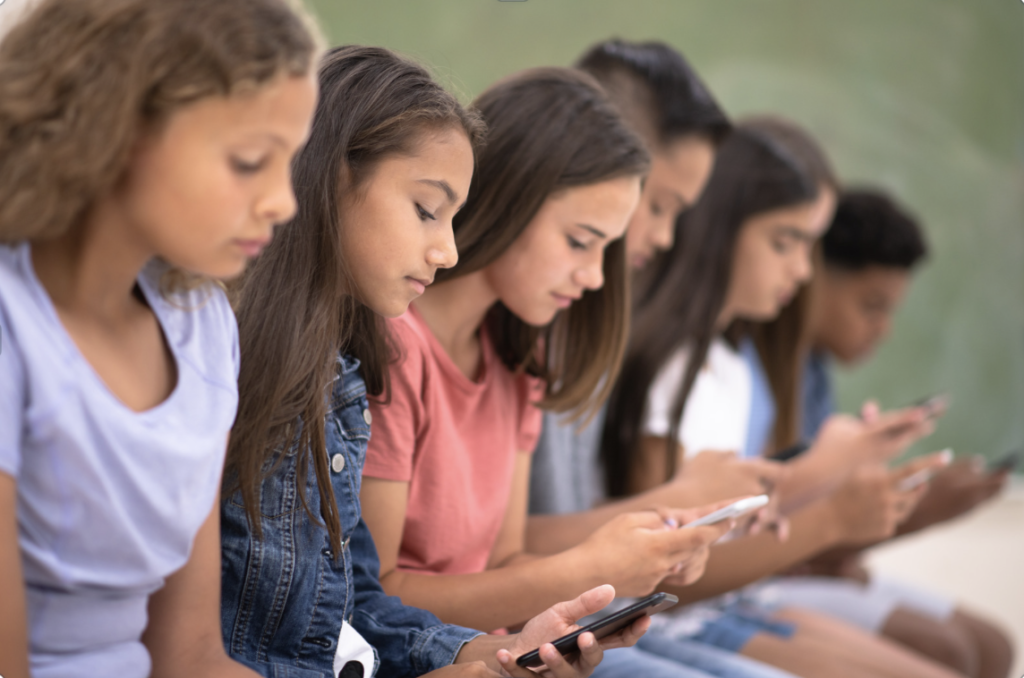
x,y
589,602
628,636
591,653
508,664
869,411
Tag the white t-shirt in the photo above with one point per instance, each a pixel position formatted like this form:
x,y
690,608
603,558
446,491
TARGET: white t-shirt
x,y
109,500
717,412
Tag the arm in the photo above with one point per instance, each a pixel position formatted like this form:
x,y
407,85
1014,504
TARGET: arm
x,y
704,479
13,616
184,634
867,507
635,550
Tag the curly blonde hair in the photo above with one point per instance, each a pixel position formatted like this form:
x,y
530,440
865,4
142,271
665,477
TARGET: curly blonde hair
x,y
80,80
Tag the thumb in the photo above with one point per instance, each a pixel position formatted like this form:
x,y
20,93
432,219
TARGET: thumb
x,y
587,603
927,464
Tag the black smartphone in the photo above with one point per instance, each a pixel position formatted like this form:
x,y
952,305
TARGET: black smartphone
x,y
934,405
1007,462
603,627
791,452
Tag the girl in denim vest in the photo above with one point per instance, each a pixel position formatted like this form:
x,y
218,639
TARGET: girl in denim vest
x,y
387,166
144,153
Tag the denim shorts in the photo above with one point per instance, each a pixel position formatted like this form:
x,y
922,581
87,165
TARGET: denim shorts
x,y
737,625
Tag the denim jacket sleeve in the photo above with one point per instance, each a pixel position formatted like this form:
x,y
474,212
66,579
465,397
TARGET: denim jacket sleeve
x,y
409,641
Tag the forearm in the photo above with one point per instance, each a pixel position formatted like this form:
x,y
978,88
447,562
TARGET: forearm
x,y
484,649
496,598
734,564
809,478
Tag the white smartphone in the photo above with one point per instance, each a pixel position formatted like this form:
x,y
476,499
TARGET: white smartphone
x,y
734,510
924,475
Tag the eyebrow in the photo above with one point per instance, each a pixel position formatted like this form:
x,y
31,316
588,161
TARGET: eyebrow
x,y
593,230
796,233
443,185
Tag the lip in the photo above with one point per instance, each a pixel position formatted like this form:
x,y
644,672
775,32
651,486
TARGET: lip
x,y
419,284
639,261
252,248
564,301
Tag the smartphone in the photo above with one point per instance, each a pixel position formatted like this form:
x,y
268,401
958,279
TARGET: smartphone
x,y
603,627
924,475
933,405
734,510
791,452
1007,462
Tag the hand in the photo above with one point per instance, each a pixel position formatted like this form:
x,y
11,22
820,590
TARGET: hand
x,y
559,621
720,475
867,507
954,491
636,551
876,437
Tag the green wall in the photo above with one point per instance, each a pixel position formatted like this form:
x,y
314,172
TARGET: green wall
x,y
923,96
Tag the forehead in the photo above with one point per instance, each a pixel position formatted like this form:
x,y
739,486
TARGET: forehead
x,y
680,164
807,220
887,280
605,206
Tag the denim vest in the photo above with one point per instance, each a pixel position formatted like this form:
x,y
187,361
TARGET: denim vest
x,y
284,596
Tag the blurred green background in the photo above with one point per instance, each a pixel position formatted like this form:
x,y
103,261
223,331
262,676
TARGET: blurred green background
x,y
925,97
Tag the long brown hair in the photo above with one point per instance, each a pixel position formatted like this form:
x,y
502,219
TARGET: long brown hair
x,y
764,164
295,306
81,80
550,129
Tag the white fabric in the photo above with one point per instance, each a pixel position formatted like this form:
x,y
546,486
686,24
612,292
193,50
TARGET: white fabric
x,y
717,413
352,647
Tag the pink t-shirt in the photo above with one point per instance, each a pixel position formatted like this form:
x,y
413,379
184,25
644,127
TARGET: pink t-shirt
x,y
454,440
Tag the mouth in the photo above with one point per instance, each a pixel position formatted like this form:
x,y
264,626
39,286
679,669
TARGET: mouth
x,y
639,261
420,285
252,248
563,300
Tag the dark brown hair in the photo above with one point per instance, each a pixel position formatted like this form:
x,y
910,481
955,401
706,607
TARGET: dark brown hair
x,y
763,165
550,129
81,80
657,90
295,304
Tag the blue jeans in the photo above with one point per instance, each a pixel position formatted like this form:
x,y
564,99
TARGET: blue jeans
x,y
709,660
632,662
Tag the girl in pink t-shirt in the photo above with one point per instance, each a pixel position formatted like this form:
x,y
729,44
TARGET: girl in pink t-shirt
x,y
534,314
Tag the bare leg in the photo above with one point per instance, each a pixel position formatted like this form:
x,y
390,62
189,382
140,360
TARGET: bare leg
x,y
824,647
995,649
944,641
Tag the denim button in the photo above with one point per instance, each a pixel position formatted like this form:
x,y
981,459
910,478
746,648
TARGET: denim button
x,y
338,463
367,416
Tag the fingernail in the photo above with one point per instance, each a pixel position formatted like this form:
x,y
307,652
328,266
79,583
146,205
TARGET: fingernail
x,y
671,523
946,456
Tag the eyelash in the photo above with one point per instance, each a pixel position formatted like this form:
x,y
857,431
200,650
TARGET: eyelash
x,y
243,167
780,246
424,214
575,244
656,209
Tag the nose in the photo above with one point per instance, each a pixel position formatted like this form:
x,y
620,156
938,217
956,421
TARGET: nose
x,y
803,267
278,203
442,252
663,233
590,276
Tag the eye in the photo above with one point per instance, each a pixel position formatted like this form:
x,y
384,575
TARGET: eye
x,y
241,166
575,244
780,246
424,214
656,209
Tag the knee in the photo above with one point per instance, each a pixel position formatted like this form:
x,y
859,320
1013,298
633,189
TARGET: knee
x,y
946,643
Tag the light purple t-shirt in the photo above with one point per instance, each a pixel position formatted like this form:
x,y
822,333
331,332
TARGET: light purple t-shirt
x,y
109,500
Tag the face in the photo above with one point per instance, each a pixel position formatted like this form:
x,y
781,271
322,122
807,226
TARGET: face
x,y
206,189
854,309
560,253
677,178
397,226
773,258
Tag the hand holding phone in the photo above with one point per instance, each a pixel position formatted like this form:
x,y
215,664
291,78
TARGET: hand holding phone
x,y
1008,462
924,475
737,509
603,627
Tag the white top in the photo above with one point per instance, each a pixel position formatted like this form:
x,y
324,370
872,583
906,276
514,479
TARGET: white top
x,y
717,412
109,500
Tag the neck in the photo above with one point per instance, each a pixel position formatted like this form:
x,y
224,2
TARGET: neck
x,y
91,270
455,309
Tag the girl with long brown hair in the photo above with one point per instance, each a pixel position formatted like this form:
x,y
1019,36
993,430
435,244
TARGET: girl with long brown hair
x,y
144,154
387,166
534,314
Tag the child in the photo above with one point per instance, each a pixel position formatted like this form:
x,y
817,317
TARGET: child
x,y
535,309
144,153
387,166
870,253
